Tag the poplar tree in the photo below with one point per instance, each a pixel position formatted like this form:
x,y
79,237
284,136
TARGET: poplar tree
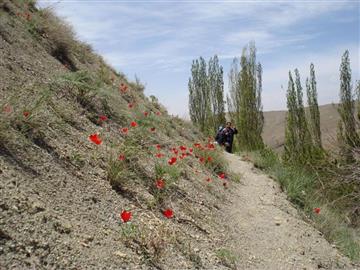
x,y
206,95
244,99
314,119
291,134
298,143
358,99
347,126
199,97
216,85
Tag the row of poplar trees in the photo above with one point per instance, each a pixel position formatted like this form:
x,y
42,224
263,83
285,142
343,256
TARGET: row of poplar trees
x,y
206,98
302,134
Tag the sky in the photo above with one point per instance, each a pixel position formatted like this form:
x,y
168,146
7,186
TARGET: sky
x,y
156,40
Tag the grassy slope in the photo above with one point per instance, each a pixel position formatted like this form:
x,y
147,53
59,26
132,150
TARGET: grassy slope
x,y
61,195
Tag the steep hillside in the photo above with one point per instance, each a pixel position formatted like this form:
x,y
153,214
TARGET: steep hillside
x,y
274,128
79,144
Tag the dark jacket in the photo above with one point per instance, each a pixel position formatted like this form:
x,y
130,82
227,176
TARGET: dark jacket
x,y
226,135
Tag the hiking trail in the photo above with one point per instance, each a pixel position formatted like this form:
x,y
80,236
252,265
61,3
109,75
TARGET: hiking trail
x,y
267,231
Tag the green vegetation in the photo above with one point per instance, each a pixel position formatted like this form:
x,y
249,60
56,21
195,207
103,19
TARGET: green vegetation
x,y
347,133
227,258
314,119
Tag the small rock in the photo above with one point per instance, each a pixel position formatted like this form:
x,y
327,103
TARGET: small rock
x,y
37,207
120,254
62,227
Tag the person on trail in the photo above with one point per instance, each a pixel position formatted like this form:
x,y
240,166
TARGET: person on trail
x,y
225,136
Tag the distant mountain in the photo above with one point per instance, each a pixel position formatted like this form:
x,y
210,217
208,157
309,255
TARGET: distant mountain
x,y
274,129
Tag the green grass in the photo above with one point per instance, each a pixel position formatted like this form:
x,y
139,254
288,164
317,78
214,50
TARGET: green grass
x,y
227,258
304,188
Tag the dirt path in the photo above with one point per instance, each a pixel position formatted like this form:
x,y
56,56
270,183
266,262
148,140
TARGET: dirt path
x,y
267,231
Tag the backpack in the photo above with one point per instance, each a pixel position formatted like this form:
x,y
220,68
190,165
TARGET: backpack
x,y
219,135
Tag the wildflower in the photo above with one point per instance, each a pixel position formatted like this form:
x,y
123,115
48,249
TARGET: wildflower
x,y
191,150
208,179
168,213
124,130
174,150
158,113
122,157
183,148
95,139
158,146
26,114
211,146
7,108
131,105
197,145
133,124
103,118
125,216
159,155
202,160
221,175
152,129
317,210
146,114
172,161
209,159
160,184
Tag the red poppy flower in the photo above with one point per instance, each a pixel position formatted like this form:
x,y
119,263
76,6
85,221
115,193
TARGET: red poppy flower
x,y
123,87
202,160
152,129
158,146
7,109
172,161
26,114
159,155
222,175
95,139
103,118
208,179
209,159
133,124
124,130
168,213
174,150
197,145
317,210
131,105
160,184
122,157
125,216
211,146
158,113
191,150
183,148
146,114
27,16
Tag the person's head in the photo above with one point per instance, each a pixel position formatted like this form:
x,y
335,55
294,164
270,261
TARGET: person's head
x,y
228,124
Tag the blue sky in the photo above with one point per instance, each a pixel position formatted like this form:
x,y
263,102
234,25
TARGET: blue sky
x,y
157,40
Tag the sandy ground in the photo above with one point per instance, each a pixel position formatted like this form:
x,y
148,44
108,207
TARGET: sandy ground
x,y
267,231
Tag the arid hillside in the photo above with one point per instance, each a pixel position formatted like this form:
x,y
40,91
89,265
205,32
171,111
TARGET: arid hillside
x,y
80,145
274,128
